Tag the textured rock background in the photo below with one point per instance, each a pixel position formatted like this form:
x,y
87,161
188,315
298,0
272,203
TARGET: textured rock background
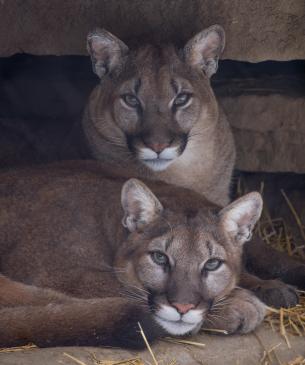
x,y
269,131
256,30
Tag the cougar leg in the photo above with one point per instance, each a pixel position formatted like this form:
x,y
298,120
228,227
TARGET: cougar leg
x,y
268,263
85,322
13,293
274,293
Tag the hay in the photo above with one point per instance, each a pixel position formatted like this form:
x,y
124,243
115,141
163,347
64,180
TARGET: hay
x,y
288,321
183,342
27,347
73,358
277,233
133,361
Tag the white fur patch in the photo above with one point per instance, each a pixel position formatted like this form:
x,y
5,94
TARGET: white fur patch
x,y
168,313
176,328
176,324
169,153
147,154
194,316
157,164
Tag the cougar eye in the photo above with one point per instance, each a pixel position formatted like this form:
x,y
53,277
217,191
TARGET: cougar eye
x,y
159,258
131,100
182,99
212,265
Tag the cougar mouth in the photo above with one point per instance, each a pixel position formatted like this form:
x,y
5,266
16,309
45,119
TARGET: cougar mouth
x,y
158,161
176,324
157,164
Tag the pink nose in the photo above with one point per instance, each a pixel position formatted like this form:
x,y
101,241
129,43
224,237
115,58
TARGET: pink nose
x,y
183,308
157,147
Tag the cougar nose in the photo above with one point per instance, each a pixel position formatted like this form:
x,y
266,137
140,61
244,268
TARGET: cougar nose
x,y
183,308
157,147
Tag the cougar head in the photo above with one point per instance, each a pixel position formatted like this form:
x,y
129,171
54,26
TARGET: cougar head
x,y
182,261
154,100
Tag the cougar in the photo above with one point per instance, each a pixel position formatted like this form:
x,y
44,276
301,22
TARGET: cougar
x,y
85,255
154,112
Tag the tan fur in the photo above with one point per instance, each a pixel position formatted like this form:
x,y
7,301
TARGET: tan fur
x,y
207,161
74,274
115,133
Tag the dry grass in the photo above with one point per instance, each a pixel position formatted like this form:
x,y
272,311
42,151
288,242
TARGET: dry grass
x,y
29,346
277,233
288,321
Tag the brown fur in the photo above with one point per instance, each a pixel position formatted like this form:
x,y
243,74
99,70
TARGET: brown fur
x,y
114,133
74,275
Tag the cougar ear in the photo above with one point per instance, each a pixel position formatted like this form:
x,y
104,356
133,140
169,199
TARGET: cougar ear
x,y
140,205
205,48
107,51
239,218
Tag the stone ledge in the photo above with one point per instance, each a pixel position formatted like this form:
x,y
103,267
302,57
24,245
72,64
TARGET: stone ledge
x,y
256,30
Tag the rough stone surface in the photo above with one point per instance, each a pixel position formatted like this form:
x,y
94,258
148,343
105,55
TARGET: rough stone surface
x,y
269,131
256,30
218,350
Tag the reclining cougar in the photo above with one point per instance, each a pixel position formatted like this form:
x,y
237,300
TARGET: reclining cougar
x,y
85,255
155,113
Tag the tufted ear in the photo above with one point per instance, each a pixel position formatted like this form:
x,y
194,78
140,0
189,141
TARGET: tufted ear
x,y
239,218
140,205
107,51
205,48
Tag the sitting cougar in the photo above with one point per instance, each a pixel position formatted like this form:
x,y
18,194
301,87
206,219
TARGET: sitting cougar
x,y
91,256
155,113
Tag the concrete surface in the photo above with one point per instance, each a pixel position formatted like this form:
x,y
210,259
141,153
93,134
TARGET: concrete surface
x,y
218,350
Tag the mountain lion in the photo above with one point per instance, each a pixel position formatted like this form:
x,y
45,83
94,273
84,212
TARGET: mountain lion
x,y
92,255
155,113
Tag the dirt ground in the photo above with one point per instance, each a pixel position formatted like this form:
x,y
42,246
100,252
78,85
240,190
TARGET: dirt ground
x,y
218,350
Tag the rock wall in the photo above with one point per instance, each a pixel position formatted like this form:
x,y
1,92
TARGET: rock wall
x,y
269,132
256,30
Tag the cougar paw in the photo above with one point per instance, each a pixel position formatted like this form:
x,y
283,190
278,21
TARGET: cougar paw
x,y
129,335
276,294
242,312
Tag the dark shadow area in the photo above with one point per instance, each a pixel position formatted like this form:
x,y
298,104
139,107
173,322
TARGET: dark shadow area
x,y
58,87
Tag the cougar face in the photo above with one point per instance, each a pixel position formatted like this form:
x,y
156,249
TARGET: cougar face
x,y
155,98
183,263
158,107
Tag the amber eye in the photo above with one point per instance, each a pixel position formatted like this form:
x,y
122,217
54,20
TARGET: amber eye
x,y
131,100
159,258
182,99
212,265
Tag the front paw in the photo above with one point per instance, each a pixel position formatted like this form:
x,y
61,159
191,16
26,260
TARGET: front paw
x,y
240,312
276,294
128,333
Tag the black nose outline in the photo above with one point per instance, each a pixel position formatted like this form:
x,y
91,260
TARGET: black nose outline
x,y
150,301
210,303
183,144
129,142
